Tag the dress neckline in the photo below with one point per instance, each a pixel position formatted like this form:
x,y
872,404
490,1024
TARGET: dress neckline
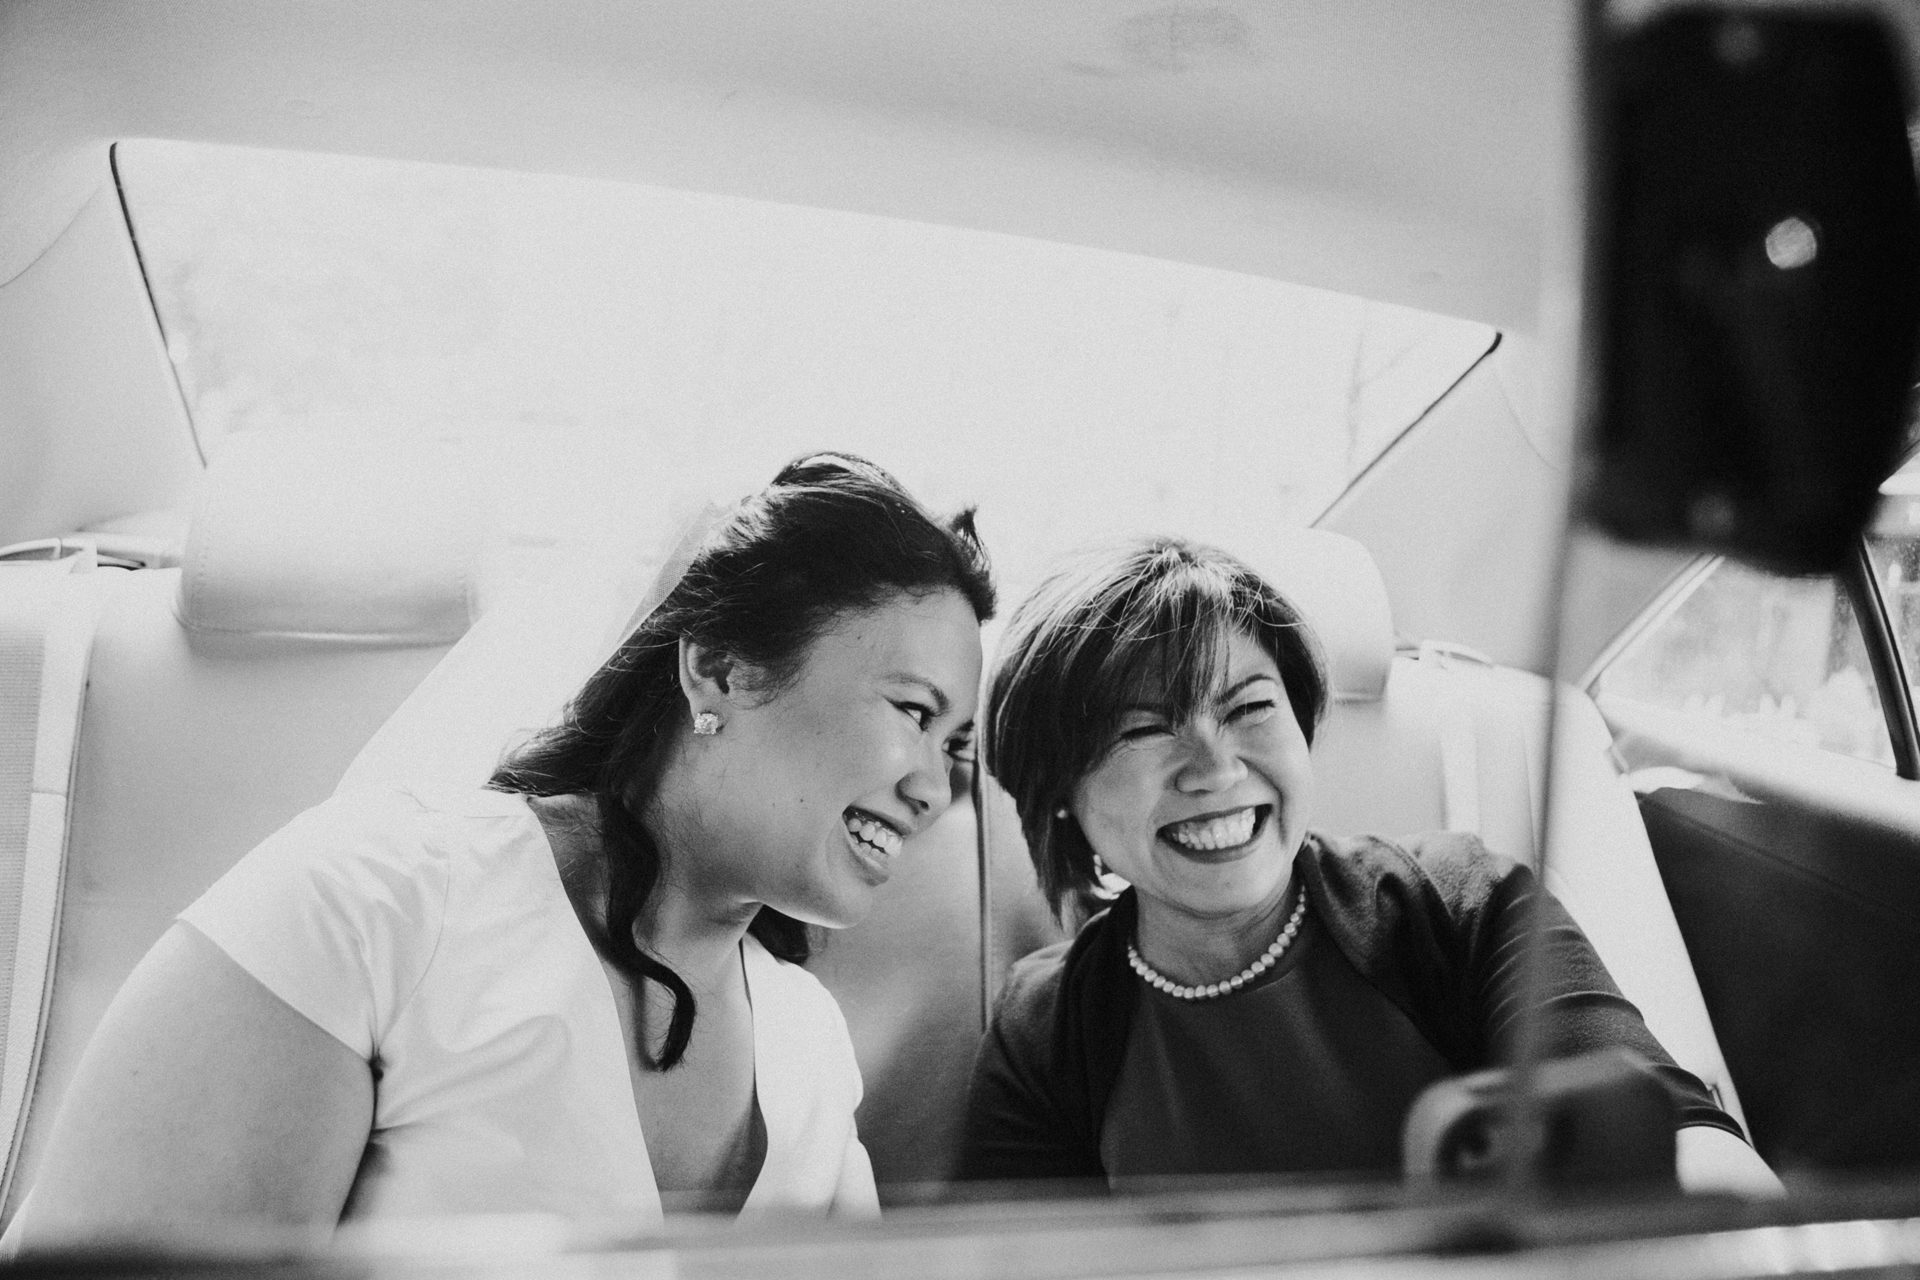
x,y
753,956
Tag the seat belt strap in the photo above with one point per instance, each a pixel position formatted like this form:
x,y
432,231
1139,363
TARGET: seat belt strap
x,y
1459,749
47,617
1459,767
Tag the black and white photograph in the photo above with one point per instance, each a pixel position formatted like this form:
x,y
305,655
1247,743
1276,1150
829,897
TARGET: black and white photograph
x,y
1054,639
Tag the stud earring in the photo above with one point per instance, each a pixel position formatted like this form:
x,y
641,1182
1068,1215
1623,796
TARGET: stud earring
x,y
1061,813
706,724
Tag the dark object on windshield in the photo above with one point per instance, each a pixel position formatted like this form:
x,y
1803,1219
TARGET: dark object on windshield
x,y
1755,281
1605,1120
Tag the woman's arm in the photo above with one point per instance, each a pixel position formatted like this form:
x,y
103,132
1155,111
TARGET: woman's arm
x,y
1016,1127
1710,1159
201,1097
1582,1007
856,1196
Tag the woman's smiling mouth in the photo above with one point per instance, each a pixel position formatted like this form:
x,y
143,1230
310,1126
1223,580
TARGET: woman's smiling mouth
x,y
875,843
1218,833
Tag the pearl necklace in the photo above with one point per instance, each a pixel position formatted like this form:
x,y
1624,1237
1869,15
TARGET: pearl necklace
x,y
1268,958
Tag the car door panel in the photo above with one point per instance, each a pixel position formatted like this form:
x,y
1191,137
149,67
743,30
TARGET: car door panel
x,y
1808,966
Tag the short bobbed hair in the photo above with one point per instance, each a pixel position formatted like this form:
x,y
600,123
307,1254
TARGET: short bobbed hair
x,y
1142,621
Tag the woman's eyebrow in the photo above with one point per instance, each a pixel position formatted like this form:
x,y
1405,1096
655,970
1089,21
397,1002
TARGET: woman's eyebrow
x,y
941,703
1236,689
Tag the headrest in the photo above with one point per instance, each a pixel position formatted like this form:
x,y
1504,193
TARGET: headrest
x,y
305,536
1333,582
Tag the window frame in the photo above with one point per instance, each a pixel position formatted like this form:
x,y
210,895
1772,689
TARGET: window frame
x,y
1862,585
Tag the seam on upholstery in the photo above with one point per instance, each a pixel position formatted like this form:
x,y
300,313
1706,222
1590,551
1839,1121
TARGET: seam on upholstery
x,y
58,236
153,304
1407,431
470,582
365,639
191,575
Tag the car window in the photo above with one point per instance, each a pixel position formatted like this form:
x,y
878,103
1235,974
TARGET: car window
x,y
602,342
1742,649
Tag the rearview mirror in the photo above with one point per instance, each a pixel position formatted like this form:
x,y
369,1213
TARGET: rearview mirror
x,y
1755,277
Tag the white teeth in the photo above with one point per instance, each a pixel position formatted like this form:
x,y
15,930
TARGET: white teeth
x,y
878,835
1215,833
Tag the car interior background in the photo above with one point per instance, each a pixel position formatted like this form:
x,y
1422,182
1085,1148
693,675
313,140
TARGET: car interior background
x,y
305,368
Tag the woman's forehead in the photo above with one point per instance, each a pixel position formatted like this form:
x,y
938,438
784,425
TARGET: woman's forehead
x,y
1187,671
931,637
1247,657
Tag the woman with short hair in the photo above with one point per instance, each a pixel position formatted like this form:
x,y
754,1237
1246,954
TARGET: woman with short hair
x,y
1261,998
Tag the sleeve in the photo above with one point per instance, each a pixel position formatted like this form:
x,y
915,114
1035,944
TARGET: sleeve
x,y
856,1196
1016,1123
1489,898
809,1088
337,914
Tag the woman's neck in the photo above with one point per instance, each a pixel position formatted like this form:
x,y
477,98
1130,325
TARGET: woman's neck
x,y
696,934
1198,949
693,934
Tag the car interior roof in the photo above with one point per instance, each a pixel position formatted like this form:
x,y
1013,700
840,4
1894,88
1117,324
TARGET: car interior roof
x,y
1388,149
1345,146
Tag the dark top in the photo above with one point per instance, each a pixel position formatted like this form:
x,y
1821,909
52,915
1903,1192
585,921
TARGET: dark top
x,y
1407,969
1308,1069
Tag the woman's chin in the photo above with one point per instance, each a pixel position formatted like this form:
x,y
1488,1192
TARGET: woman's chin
x,y
839,906
1225,881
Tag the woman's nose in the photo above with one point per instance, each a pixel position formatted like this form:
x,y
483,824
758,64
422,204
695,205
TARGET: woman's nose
x,y
928,787
1209,762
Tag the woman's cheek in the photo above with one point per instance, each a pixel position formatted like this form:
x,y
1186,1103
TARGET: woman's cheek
x,y
1109,842
1121,805
894,756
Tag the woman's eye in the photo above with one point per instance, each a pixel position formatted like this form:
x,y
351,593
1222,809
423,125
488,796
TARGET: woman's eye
x,y
1143,732
961,749
921,715
1252,712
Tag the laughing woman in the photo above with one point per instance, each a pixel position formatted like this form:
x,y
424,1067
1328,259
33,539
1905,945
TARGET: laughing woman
x,y
579,987
1262,999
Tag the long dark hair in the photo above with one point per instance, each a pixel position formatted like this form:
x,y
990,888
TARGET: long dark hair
x,y
832,534
1149,616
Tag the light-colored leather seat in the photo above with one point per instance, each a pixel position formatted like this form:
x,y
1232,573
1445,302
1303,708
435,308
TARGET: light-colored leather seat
x,y
225,697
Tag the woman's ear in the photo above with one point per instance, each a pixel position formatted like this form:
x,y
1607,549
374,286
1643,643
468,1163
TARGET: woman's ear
x,y
706,675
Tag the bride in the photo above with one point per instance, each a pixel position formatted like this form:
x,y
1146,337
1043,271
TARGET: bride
x,y
577,988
